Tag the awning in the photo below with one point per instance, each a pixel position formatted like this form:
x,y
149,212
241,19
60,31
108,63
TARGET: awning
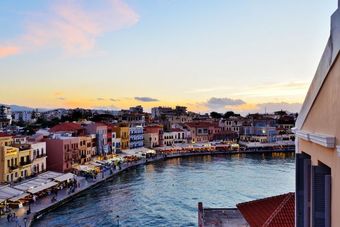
x,y
49,175
7,192
14,199
42,187
65,177
33,183
2,200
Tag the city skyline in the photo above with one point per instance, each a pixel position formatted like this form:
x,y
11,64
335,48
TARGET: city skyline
x,y
115,54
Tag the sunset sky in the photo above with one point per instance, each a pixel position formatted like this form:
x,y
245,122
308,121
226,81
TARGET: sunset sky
x,y
241,55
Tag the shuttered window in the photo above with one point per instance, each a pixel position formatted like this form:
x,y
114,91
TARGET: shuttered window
x,y
321,183
303,188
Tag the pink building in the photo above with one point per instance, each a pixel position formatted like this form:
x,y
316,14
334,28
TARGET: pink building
x,y
202,131
62,153
153,136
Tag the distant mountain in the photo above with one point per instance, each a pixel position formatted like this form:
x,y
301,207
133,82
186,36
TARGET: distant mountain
x,y
22,108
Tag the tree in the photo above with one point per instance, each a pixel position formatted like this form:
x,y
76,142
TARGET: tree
x,y
216,115
230,114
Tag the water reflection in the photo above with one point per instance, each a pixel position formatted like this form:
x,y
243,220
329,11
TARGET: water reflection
x,y
166,193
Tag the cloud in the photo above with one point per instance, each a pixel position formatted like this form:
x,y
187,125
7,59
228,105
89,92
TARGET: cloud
x,y
100,99
114,100
223,102
72,26
61,98
146,99
8,50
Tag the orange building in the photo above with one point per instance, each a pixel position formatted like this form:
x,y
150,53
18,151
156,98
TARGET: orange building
x,y
318,138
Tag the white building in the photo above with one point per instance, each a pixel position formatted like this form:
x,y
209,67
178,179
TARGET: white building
x,y
136,137
232,124
168,138
116,143
23,116
38,157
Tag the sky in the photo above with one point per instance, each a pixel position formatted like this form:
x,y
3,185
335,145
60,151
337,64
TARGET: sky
x,y
241,55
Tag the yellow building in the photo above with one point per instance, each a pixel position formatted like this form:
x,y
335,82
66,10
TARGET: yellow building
x,y
6,141
15,163
318,141
85,149
123,132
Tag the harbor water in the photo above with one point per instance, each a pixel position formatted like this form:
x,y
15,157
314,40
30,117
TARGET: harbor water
x,y
166,193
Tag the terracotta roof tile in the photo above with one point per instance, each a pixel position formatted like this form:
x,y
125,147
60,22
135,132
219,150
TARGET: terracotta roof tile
x,y
276,211
66,127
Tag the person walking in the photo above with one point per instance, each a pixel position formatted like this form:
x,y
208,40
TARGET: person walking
x,y
9,217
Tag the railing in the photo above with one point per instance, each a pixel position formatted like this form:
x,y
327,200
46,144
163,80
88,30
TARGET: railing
x,y
25,163
12,167
40,156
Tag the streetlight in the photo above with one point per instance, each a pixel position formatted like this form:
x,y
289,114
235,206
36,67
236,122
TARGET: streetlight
x,y
117,217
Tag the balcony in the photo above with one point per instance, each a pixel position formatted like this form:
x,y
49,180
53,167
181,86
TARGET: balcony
x,y
25,163
11,168
40,156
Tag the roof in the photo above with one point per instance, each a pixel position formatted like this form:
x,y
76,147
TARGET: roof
x,y
276,211
202,124
66,127
2,134
329,57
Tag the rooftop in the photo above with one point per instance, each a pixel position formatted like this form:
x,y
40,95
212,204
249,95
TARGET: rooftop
x,y
276,211
66,127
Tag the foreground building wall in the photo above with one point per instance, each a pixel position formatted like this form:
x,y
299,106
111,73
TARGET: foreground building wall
x,y
318,139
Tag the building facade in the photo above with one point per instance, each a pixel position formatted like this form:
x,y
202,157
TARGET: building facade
x,y
123,132
318,141
136,137
62,153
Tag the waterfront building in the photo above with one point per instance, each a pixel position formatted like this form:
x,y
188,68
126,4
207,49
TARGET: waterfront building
x,y
202,131
259,125
15,163
168,138
180,135
38,157
123,132
85,149
317,141
116,143
153,136
136,137
9,168
62,153
100,130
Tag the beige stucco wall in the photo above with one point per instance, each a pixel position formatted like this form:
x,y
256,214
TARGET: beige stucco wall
x,y
324,118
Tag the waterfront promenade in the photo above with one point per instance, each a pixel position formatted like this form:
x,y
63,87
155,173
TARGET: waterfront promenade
x,y
45,205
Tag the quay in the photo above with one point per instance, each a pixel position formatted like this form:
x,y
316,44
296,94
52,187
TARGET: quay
x,y
45,205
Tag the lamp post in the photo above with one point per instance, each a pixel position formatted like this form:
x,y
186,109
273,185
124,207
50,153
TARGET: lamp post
x,y
117,220
25,221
